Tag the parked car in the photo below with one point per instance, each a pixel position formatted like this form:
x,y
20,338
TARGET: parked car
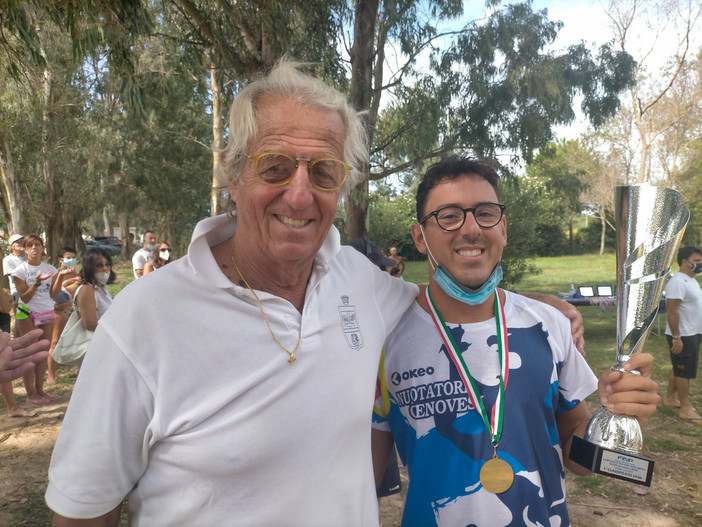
x,y
109,240
112,249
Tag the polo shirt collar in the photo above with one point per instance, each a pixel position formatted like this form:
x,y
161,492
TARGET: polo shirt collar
x,y
213,231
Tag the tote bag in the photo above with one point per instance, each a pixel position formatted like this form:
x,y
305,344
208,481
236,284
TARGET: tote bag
x,y
74,339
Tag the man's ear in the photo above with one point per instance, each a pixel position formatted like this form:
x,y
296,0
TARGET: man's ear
x,y
418,238
233,187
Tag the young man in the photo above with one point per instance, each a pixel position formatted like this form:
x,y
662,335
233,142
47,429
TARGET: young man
x,y
145,254
482,388
683,305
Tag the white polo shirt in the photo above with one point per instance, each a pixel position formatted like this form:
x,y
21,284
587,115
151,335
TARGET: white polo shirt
x,y
191,408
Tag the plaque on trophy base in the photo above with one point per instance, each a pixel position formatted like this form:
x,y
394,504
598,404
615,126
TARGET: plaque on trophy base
x,y
601,460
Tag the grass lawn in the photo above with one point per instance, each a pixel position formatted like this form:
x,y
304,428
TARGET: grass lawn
x,y
556,273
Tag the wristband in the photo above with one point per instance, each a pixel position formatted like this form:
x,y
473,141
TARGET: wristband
x,y
37,283
676,338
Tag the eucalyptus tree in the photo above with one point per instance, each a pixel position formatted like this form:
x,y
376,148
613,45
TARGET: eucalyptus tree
x,y
48,40
45,132
491,86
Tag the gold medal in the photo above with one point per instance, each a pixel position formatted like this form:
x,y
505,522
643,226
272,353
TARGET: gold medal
x,y
496,475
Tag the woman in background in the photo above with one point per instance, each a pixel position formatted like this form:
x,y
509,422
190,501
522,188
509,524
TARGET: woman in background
x,y
162,257
93,298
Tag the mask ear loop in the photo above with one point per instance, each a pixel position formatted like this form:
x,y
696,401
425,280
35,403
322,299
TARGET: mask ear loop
x,y
432,260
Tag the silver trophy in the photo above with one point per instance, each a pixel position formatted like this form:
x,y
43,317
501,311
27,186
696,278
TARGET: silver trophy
x,y
650,223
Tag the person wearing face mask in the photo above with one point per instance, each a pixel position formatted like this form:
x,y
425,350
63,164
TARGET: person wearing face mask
x,y
483,389
93,297
683,329
144,255
162,256
63,304
38,284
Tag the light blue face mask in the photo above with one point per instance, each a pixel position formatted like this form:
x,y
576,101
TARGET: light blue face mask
x,y
458,291
69,262
462,293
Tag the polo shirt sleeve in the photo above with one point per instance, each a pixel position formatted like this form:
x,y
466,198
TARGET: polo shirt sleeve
x,y
102,448
393,296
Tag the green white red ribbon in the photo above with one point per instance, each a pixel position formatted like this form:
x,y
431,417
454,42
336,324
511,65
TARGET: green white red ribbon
x,y
494,422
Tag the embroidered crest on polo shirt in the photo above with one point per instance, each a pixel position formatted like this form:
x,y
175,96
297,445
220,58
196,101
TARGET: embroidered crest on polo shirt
x,y
349,324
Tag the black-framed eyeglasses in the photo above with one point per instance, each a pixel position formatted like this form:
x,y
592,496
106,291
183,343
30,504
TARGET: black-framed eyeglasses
x,y
452,218
276,169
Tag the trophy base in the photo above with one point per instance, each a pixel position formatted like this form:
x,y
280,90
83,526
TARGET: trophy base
x,y
612,463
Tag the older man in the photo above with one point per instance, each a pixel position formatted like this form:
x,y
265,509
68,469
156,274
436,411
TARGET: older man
x,y
248,399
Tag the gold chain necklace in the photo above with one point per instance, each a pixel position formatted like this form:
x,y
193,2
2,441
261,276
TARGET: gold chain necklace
x,y
265,318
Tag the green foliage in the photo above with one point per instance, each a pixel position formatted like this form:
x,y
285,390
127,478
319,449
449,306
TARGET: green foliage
x,y
390,224
690,184
550,240
110,27
521,217
587,239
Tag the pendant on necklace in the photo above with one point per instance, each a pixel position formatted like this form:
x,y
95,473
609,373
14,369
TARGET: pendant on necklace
x,y
291,359
496,475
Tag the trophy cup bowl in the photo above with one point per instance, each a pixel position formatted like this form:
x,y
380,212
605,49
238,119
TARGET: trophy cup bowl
x,y
650,223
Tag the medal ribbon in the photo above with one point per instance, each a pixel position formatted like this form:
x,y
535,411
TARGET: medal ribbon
x,y
494,422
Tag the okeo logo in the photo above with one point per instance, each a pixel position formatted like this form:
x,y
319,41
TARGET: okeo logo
x,y
396,377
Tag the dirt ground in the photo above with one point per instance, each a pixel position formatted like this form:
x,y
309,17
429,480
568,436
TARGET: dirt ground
x,y
674,499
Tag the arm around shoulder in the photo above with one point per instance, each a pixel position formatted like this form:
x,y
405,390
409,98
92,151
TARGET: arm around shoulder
x,y
577,328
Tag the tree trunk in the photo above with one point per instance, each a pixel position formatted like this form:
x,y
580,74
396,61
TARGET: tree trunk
x,y
366,18
52,197
570,235
603,232
10,188
124,232
218,203
70,232
107,228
